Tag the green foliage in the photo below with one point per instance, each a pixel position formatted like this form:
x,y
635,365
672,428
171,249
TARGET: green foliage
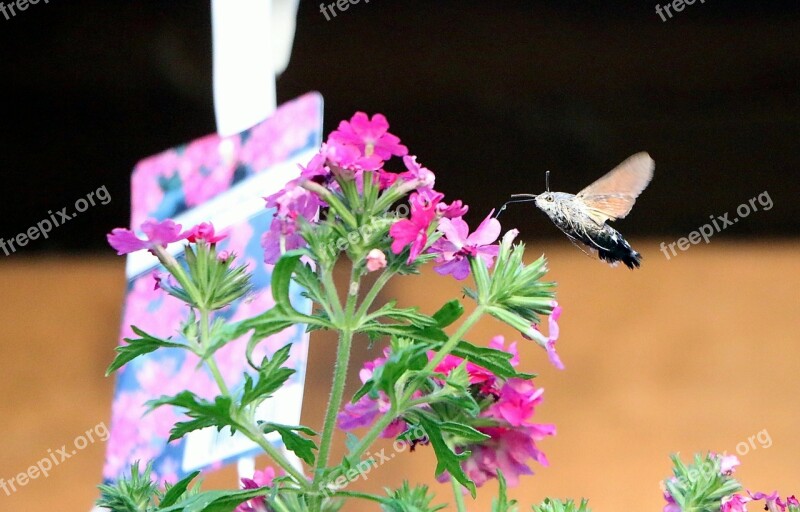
x,y
302,447
213,283
501,503
446,458
700,486
131,493
136,492
204,413
136,347
271,376
410,499
513,292
551,505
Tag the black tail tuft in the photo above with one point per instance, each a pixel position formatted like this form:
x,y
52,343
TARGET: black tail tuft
x,y
617,249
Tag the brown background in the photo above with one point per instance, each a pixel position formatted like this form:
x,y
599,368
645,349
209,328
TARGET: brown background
x,y
696,353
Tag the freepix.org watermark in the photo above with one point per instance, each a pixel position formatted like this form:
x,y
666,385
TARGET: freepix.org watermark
x,y
726,461
54,457
339,5
718,223
362,469
45,226
676,5
14,7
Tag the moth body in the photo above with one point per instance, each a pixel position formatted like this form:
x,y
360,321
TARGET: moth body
x,y
583,216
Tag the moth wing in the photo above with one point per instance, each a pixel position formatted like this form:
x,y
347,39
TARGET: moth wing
x,y
612,196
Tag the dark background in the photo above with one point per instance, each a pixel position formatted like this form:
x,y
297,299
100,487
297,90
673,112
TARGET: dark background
x,y
488,94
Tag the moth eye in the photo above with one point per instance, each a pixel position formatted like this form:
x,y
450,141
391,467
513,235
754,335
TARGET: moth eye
x,y
549,198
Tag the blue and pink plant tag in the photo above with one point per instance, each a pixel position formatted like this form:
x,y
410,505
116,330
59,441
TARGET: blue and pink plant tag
x,y
222,180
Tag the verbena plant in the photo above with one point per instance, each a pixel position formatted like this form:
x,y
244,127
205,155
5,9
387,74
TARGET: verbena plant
x,y
469,403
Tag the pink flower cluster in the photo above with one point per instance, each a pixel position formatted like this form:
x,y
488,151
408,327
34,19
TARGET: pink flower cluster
x,y
772,502
260,479
513,434
360,148
726,465
160,234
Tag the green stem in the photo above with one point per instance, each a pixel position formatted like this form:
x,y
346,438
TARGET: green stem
x,y
373,293
453,341
275,455
361,495
326,275
335,401
175,268
254,436
205,325
460,506
387,418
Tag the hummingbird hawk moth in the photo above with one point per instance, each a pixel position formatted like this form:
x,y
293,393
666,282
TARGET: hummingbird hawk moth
x,y
583,216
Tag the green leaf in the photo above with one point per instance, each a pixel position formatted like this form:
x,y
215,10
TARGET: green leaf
x,y
271,376
448,313
410,315
302,447
215,501
282,278
401,361
203,413
465,433
408,499
501,503
496,361
139,347
447,460
177,491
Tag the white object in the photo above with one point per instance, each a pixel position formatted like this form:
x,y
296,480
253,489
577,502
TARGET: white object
x,y
252,43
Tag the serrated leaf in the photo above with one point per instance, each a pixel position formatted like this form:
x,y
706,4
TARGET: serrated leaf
x,y
446,459
463,432
410,315
204,413
215,501
302,447
136,347
271,376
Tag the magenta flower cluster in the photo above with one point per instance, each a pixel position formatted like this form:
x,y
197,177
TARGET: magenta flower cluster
x,y
507,418
363,145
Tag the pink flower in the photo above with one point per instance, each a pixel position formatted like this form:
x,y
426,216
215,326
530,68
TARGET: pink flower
x,y
364,412
458,246
281,237
413,231
727,464
204,232
416,172
477,374
453,210
508,450
671,506
772,502
294,200
516,403
260,479
734,503
376,260
549,342
157,233
369,136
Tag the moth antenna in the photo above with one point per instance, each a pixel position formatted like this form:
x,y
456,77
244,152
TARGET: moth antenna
x,y
519,198
547,180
